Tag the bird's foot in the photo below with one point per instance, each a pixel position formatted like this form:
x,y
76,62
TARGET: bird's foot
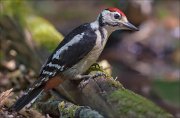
x,y
98,74
87,78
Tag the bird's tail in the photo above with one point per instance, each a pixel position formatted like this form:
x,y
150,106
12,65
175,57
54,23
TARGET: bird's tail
x,y
28,98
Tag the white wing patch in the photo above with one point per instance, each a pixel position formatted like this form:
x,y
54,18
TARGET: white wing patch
x,y
57,66
47,72
76,39
53,65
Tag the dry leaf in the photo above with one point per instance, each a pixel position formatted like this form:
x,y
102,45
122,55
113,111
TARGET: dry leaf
x,y
4,97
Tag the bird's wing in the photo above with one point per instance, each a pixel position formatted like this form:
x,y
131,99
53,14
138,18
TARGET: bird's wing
x,y
75,46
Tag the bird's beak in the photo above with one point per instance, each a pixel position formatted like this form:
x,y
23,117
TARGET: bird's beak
x,y
130,26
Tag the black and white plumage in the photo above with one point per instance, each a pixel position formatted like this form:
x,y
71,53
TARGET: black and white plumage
x,y
72,49
75,54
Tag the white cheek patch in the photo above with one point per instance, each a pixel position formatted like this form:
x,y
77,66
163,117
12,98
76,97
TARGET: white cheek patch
x,y
106,16
109,16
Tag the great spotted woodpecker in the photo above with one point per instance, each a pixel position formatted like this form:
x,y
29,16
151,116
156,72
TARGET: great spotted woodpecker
x,y
75,54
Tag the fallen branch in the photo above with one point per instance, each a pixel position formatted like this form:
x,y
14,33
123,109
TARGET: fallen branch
x,y
67,110
106,96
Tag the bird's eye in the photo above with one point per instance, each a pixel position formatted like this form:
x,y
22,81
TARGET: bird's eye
x,y
116,16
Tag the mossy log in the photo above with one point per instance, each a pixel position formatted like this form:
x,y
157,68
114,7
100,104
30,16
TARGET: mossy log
x,y
109,98
64,109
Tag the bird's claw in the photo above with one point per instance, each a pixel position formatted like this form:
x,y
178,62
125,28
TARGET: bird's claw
x,y
85,81
98,74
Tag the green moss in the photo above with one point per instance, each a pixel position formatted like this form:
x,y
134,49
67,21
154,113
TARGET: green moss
x,y
14,8
115,83
43,32
97,68
130,104
67,111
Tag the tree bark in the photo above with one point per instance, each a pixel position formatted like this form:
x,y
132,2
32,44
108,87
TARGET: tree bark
x,y
108,97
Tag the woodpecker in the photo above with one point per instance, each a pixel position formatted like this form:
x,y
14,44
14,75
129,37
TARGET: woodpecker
x,y
75,54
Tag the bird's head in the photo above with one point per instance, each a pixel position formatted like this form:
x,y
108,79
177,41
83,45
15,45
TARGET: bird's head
x,y
115,17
